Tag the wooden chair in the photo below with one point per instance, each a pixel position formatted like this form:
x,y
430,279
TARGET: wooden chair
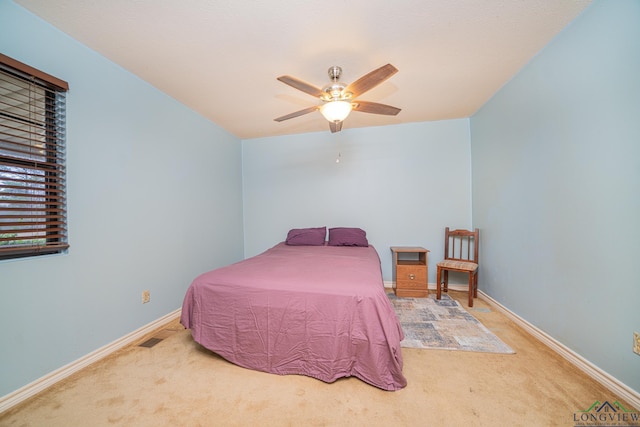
x,y
460,254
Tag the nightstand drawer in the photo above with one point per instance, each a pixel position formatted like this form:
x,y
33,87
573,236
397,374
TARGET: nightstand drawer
x,y
411,284
412,273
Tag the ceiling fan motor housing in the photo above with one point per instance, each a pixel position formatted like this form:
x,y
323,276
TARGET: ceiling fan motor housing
x,y
334,91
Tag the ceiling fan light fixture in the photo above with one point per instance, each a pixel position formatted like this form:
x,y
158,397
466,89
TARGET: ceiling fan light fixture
x,y
336,111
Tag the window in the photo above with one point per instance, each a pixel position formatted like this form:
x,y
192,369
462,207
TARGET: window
x,y
33,218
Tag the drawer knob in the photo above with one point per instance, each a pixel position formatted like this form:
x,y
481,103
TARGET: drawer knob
x,y
412,276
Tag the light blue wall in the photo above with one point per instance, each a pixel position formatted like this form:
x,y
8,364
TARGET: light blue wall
x,y
154,199
402,184
556,188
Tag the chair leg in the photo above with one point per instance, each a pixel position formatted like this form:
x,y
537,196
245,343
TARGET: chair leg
x,y
438,290
446,280
475,285
471,281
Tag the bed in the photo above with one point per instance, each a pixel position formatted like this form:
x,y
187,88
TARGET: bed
x,y
314,310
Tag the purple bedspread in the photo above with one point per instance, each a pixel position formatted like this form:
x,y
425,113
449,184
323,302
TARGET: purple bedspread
x,y
319,311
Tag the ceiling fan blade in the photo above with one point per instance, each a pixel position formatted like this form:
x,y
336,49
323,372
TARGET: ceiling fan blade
x,y
300,85
375,108
335,126
371,80
297,113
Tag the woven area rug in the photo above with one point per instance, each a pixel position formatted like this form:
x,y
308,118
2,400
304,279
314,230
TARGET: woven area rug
x,y
443,324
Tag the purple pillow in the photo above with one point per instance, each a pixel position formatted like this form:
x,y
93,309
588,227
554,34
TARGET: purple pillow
x,y
346,236
306,236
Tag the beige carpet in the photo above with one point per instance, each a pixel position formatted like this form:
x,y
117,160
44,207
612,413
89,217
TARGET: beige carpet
x,y
177,383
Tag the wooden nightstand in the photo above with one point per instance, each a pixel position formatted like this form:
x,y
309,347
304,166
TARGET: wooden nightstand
x,y
410,271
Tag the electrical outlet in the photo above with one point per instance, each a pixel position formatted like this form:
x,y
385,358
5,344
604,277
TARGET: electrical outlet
x,y
636,343
146,296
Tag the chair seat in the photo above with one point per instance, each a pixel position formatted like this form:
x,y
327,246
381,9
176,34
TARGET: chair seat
x,y
458,265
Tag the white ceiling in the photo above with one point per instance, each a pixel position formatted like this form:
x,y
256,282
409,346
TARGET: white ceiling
x,y
221,57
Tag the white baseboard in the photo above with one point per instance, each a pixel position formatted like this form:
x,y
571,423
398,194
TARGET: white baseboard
x,y
20,395
613,384
431,286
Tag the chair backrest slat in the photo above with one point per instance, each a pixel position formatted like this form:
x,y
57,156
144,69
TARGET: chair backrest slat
x,y
461,245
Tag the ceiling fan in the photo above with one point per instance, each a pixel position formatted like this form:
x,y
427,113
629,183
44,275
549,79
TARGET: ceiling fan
x,y
338,99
